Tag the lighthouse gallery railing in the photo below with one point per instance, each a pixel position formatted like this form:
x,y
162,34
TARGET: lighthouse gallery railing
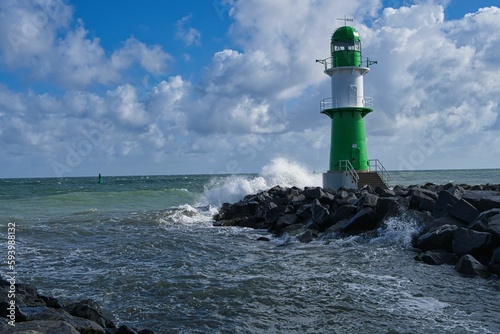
x,y
376,166
333,102
345,165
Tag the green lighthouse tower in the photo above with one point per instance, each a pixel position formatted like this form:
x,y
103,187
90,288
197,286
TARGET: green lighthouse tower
x,y
347,108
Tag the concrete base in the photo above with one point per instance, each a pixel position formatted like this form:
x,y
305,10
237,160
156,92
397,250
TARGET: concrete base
x,y
337,179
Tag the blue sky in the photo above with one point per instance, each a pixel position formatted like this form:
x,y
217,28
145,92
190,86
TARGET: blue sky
x,y
123,87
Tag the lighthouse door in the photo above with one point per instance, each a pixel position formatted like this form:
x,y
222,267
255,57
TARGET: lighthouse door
x,y
355,156
353,95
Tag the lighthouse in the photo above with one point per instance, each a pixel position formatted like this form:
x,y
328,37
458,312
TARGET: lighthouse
x,y
347,107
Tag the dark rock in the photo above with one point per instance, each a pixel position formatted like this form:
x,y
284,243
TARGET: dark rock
x,y
445,200
422,200
447,220
263,239
52,302
494,226
364,220
89,309
225,212
467,265
494,264
306,236
244,221
437,257
367,200
125,330
82,325
387,205
304,211
146,331
40,327
384,192
467,241
483,200
319,212
272,216
244,207
260,212
6,311
319,194
463,210
438,238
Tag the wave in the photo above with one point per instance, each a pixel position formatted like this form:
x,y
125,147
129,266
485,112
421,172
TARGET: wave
x,y
280,171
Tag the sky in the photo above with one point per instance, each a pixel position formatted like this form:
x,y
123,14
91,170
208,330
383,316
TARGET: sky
x,y
128,87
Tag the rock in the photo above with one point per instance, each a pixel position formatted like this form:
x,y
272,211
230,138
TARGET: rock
x,y
446,220
304,211
88,309
307,236
125,330
438,238
263,239
422,200
494,264
437,257
494,226
384,192
244,207
464,211
364,220
6,310
82,325
40,327
319,212
319,194
388,205
467,265
445,200
467,241
367,200
483,200
272,216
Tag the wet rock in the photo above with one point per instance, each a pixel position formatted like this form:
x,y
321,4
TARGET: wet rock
x,y
422,200
89,309
367,201
125,330
464,211
306,236
467,265
40,327
466,241
494,227
438,238
446,220
437,257
364,220
494,264
444,201
384,192
319,212
483,200
80,324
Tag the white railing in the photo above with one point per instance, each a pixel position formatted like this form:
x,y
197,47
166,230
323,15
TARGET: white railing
x,y
345,165
376,166
328,63
333,102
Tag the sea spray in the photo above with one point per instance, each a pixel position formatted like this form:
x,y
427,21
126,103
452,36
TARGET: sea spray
x,y
280,171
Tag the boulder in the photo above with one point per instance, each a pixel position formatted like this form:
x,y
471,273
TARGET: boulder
x,y
483,200
364,220
466,241
437,257
445,200
467,265
367,201
80,324
125,330
422,200
40,327
245,207
488,203
446,220
319,212
384,192
306,236
464,211
438,238
494,264
494,227
89,309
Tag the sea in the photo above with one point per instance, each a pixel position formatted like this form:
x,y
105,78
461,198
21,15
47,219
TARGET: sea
x,y
145,249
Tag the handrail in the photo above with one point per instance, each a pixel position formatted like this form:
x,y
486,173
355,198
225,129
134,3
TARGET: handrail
x,y
346,166
328,63
376,166
333,102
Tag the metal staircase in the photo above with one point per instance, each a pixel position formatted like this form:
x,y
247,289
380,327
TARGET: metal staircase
x,y
376,176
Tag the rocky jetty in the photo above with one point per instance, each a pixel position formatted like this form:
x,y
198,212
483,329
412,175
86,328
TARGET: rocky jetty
x,y
33,313
458,224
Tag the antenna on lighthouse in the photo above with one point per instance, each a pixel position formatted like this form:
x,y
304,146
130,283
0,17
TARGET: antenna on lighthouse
x,y
345,19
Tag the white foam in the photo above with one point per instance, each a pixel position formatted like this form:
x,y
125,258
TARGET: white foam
x,y
279,171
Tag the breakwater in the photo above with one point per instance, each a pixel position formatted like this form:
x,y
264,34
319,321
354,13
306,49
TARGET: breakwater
x,y
457,224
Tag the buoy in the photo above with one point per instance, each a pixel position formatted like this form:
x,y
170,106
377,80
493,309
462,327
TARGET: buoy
x,y
100,179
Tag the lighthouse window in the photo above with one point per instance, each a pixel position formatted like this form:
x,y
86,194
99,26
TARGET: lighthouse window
x,y
346,45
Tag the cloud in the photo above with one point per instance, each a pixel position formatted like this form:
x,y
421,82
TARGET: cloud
x,y
435,88
189,35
